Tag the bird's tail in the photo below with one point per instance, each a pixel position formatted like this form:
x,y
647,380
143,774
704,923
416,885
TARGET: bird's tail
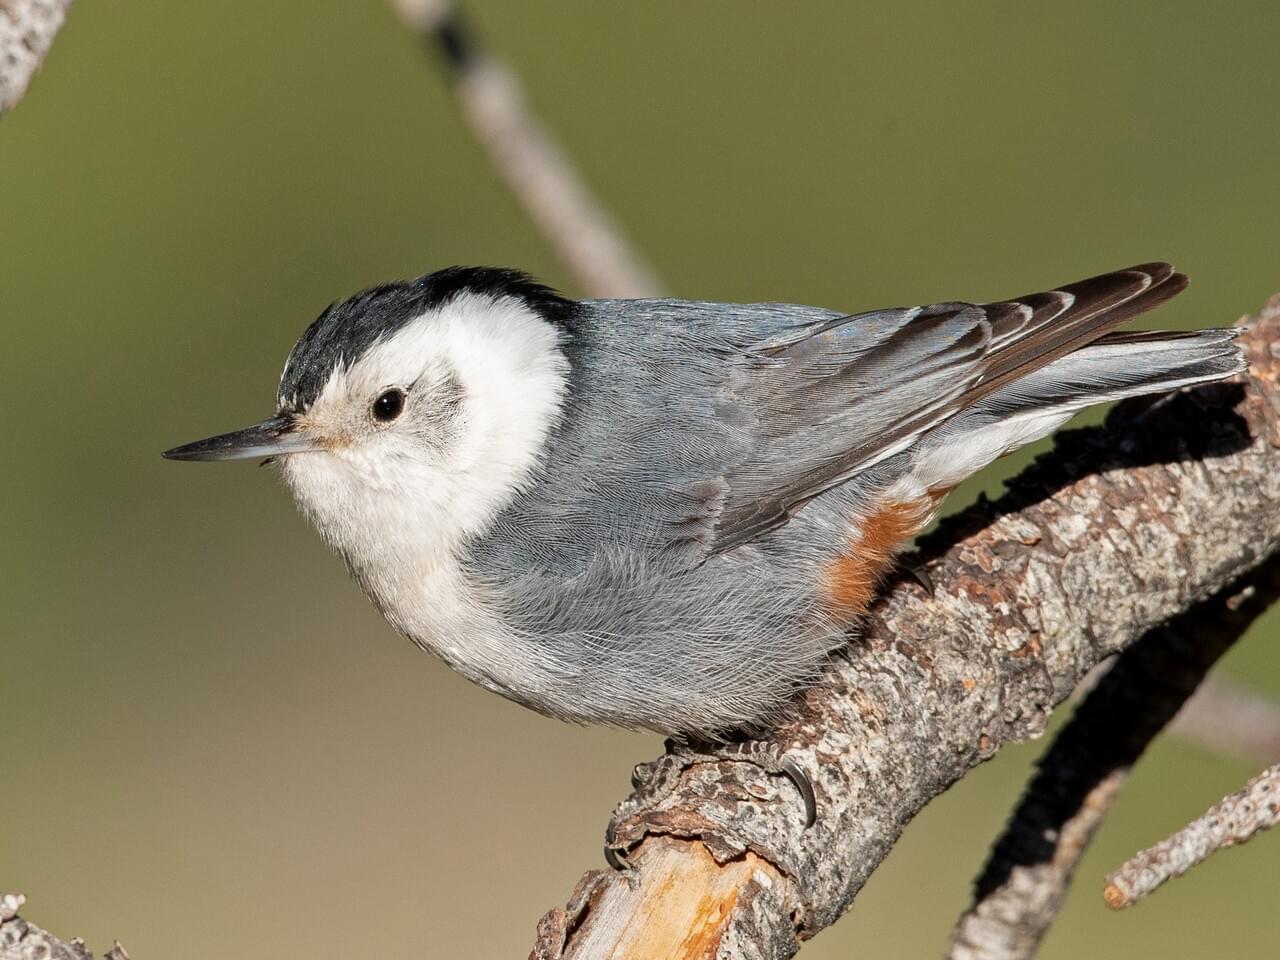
x,y
1113,367
1120,365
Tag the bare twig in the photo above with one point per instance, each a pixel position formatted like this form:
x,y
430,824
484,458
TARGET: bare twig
x,y
1233,820
1008,922
20,940
27,29
540,173
1231,719
1025,882
1094,545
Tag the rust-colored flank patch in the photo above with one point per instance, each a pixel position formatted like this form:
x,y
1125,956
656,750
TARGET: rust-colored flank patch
x,y
853,577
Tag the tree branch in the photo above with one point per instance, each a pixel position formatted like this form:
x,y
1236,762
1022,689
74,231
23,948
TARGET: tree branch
x,y
1094,545
20,940
1025,882
1233,820
27,29
537,170
1233,720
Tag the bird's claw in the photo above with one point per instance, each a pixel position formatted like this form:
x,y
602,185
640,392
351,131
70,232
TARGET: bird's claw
x,y
765,755
659,777
921,576
617,859
769,758
804,785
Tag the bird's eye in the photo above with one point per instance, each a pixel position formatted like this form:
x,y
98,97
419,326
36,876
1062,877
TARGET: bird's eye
x,y
388,405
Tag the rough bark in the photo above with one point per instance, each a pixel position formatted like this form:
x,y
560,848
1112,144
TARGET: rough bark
x,y
27,29
20,940
1096,543
1025,882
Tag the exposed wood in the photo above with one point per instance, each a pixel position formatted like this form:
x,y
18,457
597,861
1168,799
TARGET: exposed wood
x,y
677,906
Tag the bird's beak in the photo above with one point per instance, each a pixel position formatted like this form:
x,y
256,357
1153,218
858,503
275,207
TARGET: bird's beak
x,y
270,438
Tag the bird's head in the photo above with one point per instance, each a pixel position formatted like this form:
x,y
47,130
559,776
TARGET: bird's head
x,y
414,409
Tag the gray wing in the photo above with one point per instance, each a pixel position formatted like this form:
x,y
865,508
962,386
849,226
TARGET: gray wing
x,y
833,399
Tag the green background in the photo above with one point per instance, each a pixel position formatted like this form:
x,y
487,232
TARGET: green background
x,y
212,745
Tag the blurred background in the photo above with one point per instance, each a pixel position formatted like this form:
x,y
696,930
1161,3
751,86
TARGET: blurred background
x,y
213,745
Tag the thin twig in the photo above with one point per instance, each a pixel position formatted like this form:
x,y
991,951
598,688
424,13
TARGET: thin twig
x,y
1093,546
1025,882
1233,820
27,29
1233,720
537,170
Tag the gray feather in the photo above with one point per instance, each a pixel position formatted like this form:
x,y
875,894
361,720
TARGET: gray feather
x,y
1115,367
711,461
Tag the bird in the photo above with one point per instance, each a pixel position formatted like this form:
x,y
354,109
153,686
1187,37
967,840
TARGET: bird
x,y
668,514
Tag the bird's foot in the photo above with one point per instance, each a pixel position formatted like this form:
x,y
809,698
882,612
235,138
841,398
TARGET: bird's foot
x,y
770,757
773,760
655,780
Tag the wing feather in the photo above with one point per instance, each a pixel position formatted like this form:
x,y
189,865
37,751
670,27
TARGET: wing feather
x,y
843,395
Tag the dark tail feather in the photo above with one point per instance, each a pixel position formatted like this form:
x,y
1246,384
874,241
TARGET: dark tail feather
x,y
1036,330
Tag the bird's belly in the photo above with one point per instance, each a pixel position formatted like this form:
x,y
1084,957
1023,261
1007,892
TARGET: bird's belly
x,y
634,641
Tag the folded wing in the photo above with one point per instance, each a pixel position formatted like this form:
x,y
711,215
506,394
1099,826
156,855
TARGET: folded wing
x,y
840,396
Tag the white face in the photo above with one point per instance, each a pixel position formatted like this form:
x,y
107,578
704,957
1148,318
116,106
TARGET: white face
x,y
428,435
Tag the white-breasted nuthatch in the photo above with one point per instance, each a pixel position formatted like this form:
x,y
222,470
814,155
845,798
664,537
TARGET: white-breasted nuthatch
x,y
668,513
